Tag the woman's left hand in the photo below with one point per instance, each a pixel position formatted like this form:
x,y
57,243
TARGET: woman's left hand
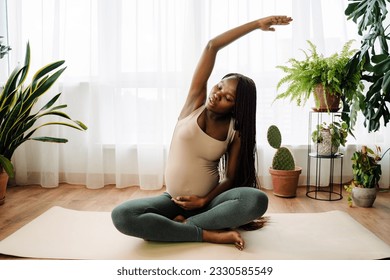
x,y
190,202
266,24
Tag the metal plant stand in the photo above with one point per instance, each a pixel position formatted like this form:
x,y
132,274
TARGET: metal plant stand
x,y
314,190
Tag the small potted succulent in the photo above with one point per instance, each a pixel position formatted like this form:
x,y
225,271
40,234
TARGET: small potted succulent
x,y
284,173
4,49
367,172
327,138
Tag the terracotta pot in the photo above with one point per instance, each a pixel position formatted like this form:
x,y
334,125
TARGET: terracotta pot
x,y
363,197
3,186
285,182
327,102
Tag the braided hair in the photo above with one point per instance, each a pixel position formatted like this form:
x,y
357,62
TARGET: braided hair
x,y
244,114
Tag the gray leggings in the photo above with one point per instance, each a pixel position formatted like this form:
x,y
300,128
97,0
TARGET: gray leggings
x,y
152,218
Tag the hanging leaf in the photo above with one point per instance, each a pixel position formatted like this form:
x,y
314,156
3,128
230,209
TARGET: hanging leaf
x,y
386,84
379,58
383,66
6,164
370,17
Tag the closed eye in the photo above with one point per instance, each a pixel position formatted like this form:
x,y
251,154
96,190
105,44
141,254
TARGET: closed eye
x,y
229,98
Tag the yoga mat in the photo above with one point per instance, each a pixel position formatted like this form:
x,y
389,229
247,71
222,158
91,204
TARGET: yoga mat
x,y
61,233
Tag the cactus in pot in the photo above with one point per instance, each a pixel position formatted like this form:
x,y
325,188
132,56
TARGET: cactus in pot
x,y
285,174
283,159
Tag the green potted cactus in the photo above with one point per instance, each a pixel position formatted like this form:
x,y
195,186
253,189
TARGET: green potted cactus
x,y
284,172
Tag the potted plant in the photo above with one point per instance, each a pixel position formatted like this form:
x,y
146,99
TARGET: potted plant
x,y
4,49
329,137
366,172
285,174
18,116
323,77
373,60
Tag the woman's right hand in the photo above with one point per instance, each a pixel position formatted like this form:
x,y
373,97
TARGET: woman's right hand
x,y
190,202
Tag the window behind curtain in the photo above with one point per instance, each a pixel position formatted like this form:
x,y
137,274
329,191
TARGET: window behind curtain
x,y
129,67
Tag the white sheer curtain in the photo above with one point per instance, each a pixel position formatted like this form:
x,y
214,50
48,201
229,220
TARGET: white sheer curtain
x,y
129,64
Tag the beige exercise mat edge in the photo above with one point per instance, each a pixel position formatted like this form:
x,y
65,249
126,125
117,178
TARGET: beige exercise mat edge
x,y
62,233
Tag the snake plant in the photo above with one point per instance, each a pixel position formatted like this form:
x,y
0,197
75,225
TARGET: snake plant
x,y
19,116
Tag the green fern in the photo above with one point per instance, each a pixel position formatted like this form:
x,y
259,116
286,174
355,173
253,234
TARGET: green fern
x,y
302,76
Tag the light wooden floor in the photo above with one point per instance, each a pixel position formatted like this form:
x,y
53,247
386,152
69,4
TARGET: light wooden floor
x,y
24,203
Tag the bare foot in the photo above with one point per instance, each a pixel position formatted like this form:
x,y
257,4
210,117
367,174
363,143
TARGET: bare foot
x,y
180,219
224,237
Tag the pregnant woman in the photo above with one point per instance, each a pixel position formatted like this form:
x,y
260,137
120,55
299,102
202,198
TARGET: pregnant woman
x,y
211,185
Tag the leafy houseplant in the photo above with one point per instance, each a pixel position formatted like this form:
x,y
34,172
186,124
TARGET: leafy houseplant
x,y
17,116
316,73
373,60
285,174
366,175
329,137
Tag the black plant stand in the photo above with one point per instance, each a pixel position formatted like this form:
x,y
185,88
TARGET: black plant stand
x,y
316,191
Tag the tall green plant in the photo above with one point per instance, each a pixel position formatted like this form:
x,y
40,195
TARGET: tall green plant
x,y
17,100
374,60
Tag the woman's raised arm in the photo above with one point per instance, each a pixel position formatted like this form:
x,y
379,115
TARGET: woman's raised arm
x,y
198,88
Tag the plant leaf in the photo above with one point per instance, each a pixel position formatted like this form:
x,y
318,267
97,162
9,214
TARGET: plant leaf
x,y
6,164
50,139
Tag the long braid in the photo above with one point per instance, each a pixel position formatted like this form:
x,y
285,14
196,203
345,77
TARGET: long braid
x,y
244,114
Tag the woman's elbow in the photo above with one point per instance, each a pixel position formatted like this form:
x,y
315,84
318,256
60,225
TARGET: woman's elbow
x,y
212,46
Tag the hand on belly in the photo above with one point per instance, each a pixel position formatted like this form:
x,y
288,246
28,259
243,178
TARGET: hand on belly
x,y
189,202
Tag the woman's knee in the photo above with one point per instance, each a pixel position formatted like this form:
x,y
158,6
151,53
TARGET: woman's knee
x,y
132,217
257,201
125,217
120,218
263,201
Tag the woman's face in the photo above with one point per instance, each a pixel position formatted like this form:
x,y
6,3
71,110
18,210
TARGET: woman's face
x,y
222,96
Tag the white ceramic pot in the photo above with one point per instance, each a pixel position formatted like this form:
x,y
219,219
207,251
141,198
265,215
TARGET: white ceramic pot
x,y
325,148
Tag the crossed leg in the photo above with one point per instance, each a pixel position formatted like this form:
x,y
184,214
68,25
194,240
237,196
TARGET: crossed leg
x,y
159,219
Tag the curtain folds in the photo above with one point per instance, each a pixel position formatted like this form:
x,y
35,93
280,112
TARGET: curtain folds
x,y
129,64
